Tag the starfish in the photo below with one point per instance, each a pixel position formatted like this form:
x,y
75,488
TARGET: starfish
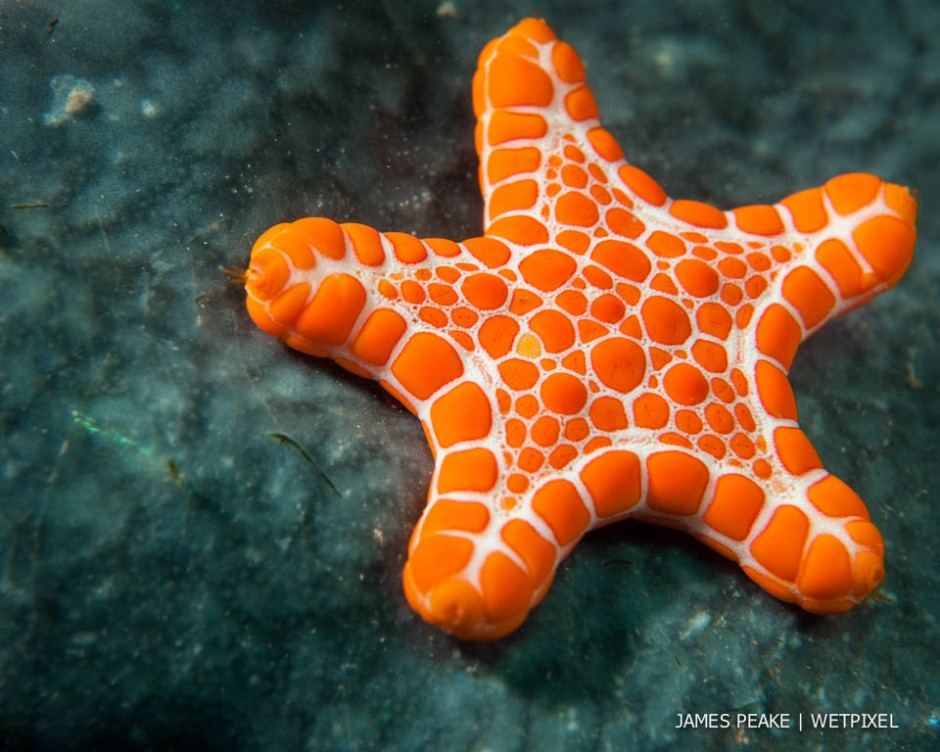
x,y
601,352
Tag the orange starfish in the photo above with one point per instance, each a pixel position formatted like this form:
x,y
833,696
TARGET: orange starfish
x,y
601,352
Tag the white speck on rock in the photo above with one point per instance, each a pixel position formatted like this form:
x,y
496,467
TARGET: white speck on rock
x,y
698,623
72,97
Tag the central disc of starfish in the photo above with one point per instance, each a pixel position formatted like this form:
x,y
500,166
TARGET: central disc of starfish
x,y
601,352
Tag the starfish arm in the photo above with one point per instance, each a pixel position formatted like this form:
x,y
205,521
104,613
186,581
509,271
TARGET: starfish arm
x,y
549,172
386,306
814,546
801,534
838,246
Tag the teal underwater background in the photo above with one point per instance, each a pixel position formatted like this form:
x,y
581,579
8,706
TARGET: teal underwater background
x,y
201,533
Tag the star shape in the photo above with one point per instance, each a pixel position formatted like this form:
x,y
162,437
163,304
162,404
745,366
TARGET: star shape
x,y
601,352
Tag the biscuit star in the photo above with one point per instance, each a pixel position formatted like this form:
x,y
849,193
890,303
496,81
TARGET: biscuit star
x,y
601,352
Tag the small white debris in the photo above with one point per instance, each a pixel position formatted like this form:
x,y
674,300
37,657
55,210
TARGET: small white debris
x,y
698,623
72,97
446,10
149,109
